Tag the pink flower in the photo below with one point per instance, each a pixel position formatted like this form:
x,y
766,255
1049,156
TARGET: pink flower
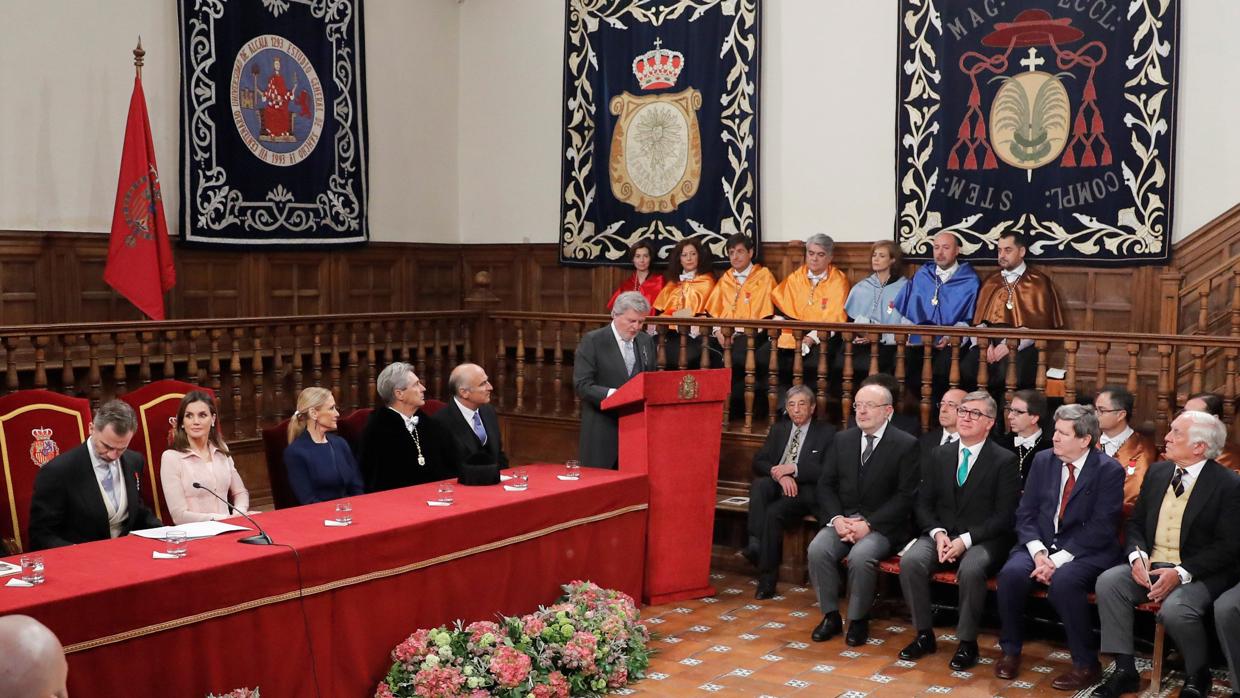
x,y
510,667
384,691
532,625
439,682
556,687
413,648
619,677
480,629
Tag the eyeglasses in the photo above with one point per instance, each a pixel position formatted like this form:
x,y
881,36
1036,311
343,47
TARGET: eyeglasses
x,y
858,406
1099,410
1013,410
971,414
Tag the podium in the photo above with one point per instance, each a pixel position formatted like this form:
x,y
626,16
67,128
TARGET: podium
x,y
670,426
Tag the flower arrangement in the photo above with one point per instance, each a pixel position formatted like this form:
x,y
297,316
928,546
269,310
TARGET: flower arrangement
x,y
238,693
586,644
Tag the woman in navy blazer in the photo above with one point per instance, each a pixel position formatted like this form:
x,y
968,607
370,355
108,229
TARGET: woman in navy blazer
x,y
320,465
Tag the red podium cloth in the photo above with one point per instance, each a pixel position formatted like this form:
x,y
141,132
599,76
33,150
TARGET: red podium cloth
x,y
228,615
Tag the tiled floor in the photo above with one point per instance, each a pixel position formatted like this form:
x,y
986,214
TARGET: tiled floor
x,y
731,644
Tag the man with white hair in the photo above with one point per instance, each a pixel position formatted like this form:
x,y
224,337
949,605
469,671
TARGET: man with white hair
x,y
606,359
1181,540
33,662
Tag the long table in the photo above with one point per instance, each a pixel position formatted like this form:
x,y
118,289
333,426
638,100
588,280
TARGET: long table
x,y
231,615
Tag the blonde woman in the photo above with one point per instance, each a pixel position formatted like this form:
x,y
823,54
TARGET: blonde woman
x,y
199,455
320,464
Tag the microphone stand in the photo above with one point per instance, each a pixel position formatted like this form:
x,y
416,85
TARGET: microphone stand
x,y
261,538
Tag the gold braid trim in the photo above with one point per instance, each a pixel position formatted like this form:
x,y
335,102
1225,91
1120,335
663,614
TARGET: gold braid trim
x,y
349,581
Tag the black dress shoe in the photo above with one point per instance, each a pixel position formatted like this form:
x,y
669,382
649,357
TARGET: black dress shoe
x,y
965,657
829,627
922,645
766,588
1197,685
1117,684
858,632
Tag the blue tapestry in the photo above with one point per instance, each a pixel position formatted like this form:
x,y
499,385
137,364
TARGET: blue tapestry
x,y
1054,118
660,138
273,123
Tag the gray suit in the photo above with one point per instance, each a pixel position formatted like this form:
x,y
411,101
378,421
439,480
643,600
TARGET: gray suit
x,y
598,366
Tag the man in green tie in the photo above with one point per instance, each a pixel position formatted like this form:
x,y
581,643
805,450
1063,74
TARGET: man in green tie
x,y
965,512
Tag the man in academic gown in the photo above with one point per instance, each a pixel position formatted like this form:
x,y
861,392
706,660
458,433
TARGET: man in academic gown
x,y
1133,450
815,292
743,292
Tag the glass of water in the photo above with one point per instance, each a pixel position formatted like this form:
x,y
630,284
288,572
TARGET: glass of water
x,y
344,513
176,543
32,569
446,492
520,479
572,469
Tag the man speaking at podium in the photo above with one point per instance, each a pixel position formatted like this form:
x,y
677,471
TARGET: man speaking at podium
x,y
606,359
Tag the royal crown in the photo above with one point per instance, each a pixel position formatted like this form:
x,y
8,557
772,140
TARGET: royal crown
x,y
658,68
41,433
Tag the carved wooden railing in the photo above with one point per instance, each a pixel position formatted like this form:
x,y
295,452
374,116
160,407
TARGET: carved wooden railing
x,y
256,366
532,368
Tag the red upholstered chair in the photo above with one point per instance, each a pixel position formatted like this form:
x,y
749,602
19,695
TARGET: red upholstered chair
x,y
156,406
275,440
350,428
432,406
35,427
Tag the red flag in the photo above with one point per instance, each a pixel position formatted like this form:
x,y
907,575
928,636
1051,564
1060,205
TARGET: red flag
x,y
139,255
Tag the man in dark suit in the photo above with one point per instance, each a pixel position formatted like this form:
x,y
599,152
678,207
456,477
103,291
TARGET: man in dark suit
x,y
92,492
865,494
946,433
965,510
786,469
605,360
904,422
469,418
1067,534
400,447
1182,541
1026,414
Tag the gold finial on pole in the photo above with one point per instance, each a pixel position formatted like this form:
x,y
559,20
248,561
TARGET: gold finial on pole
x,y
138,55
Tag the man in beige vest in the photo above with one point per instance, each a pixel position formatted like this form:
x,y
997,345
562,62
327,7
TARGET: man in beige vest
x,y
1182,541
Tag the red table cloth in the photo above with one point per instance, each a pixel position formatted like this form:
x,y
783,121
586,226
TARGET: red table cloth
x,y
231,615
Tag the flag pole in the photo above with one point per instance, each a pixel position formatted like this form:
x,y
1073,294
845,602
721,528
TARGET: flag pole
x,y
138,55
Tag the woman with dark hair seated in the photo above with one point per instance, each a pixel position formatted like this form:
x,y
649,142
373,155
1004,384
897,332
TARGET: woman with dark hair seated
x,y
199,456
320,465
689,283
643,280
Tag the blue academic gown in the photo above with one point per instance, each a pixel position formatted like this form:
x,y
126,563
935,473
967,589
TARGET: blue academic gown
x,y
957,298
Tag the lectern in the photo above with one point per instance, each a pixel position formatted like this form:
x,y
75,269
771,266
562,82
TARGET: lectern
x,y
670,424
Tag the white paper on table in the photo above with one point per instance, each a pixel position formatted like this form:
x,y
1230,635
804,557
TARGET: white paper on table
x,y
737,501
198,529
510,488
333,522
7,568
568,478
156,555
18,583
437,503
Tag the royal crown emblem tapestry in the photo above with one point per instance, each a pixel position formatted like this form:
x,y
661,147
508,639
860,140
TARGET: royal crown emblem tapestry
x,y
1054,118
660,133
273,123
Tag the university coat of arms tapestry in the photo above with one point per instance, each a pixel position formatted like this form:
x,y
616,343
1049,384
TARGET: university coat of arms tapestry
x,y
660,133
1054,118
273,123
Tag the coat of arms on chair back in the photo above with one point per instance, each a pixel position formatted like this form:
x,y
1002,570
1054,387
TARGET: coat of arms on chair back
x,y
35,427
156,406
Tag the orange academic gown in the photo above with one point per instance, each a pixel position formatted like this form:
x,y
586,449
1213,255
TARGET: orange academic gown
x,y
798,299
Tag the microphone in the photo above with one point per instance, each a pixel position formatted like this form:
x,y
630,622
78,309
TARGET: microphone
x,y
261,538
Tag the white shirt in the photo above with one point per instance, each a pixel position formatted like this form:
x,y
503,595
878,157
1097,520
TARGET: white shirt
x,y
815,278
1060,557
945,274
410,422
742,276
467,413
974,449
1027,441
949,436
1112,444
1190,474
1012,275
119,513
688,275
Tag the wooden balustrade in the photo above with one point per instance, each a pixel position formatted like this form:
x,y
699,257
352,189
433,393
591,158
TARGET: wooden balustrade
x,y
257,366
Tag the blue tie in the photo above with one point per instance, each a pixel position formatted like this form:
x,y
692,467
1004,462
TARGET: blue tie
x,y
109,486
478,430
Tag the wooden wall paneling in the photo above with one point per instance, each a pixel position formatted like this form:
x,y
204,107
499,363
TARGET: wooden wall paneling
x,y
211,285
24,275
298,284
370,280
95,300
433,277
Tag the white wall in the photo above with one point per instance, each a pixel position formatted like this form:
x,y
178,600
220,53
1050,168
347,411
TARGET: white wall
x,y
465,115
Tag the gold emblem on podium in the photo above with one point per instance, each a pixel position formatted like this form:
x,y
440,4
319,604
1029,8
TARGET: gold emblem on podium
x,y
688,388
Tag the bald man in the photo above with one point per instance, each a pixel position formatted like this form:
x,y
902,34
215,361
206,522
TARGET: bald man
x,y
33,664
469,417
